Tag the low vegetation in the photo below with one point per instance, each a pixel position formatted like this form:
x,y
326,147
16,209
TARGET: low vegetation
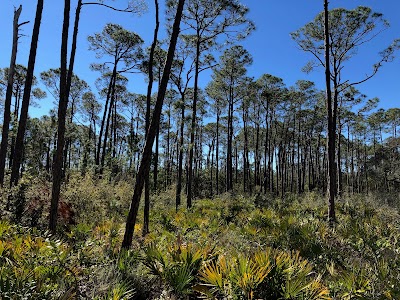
x,y
230,247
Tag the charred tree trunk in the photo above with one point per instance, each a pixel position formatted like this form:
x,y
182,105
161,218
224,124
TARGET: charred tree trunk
x,y
7,104
19,143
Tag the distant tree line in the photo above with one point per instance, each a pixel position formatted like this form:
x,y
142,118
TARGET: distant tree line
x,y
236,134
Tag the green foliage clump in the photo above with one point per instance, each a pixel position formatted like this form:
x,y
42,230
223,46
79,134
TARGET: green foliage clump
x,y
95,200
85,264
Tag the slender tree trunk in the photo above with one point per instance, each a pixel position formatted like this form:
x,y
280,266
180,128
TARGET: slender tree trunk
x,y
146,158
62,112
339,164
365,164
103,120
229,160
68,144
266,154
272,150
331,128
168,150
245,151
348,159
212,168
257,169
180,159
17,100
115,127
19,143
353,180
70,74
155,170
7,104
193,126
304,168
299,191
311,169
217,156
146,213
110,109
94,137
236,163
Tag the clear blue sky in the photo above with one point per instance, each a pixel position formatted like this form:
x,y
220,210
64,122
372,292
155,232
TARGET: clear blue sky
x,y
272,49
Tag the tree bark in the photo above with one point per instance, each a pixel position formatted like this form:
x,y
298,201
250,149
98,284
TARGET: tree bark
x,y
156,154
19,143
229,160
193,126
331,129
217,156
146,157
110,108
7,104
245,151
103,121
180,159
62,112
146,213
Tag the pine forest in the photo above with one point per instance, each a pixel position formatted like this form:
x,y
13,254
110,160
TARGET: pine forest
x,y
155,150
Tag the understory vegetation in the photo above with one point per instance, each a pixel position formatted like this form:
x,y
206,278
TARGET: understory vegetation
x,y
229,247
223,180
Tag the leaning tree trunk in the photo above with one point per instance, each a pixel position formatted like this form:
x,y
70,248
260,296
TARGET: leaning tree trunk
x,y
19,143
146,215
110,110
7,104
151,133
62,112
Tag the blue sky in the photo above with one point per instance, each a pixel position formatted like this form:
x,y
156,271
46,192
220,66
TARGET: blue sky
x,y
272,49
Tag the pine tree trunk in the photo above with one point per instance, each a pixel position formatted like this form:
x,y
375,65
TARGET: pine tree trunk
x,y
180,159
193,125
331,129
212,168
217,156
146,157
103,120
245,151
155,170
146,212
7,104
19,143
62,112
109,114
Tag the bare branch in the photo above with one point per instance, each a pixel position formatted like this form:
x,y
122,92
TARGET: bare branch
x,y
127,10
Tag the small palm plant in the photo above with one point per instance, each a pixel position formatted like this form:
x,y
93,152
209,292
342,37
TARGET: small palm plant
x,y
178,268
270,274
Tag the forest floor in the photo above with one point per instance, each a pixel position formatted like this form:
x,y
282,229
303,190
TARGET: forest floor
x,y
228,247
